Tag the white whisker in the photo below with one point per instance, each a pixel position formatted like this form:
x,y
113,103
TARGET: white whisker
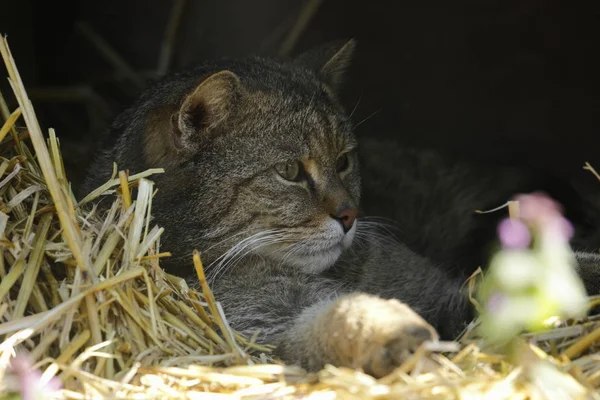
x,y
241,250
355,107
235,260
366,119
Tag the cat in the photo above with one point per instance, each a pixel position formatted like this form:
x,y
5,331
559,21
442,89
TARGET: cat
x,y
262,176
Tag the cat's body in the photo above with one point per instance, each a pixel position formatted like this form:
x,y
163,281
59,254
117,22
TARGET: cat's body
x,y
432,196
261,176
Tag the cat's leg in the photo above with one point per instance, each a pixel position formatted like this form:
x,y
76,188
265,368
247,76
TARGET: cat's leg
x,y
393,271
313,324
436,294
439,297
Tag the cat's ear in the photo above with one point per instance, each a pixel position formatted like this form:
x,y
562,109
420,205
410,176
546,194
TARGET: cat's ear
x,y
334,70
206,108
330,61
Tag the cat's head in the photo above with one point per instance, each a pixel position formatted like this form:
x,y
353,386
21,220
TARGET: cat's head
x,y
260,159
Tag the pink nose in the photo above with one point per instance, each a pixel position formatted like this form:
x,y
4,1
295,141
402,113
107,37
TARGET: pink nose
x,y
346,217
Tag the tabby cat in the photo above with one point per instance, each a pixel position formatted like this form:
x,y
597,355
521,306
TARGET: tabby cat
x,y
262,176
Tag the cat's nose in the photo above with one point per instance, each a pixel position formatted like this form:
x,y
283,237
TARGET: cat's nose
x,y
346,216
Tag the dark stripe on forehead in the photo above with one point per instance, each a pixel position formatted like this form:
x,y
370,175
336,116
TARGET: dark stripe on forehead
x,y
344,134
337,139
321,137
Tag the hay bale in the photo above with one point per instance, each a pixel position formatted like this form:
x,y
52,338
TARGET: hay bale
x,y
83,295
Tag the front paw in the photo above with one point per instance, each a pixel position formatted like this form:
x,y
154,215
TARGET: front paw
x,y
373,334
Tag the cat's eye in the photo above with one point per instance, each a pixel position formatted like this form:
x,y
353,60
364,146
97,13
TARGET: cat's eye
x,y
342,163
291,171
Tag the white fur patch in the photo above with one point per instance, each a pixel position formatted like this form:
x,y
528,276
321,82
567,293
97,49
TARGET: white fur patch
x,y
323,252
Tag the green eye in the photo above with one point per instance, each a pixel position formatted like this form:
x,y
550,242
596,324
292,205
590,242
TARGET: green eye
x,y
291,171
342,163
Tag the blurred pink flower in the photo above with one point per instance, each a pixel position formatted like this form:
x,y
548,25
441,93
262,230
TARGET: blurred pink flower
x,y
29,380
514,234
537,207
543,214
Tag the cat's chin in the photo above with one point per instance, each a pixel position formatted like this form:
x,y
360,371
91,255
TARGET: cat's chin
x,y
316,262
314,256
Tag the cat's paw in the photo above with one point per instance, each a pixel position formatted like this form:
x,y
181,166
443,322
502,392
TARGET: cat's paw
x,y
373,334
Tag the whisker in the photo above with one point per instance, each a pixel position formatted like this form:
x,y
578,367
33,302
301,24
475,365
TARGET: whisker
x,y
291,251
249,238
377,233
241,249
368,240
382,220
383,234
226,239
236,258
234,249
372,225
355,106
251,247
366,119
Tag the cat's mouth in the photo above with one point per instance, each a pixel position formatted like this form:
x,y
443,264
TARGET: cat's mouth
x,y
311,254
318,253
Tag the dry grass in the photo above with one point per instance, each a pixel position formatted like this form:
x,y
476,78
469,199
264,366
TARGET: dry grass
x,y
82,292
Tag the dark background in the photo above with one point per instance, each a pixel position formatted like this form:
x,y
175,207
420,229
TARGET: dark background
x,y
499,81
